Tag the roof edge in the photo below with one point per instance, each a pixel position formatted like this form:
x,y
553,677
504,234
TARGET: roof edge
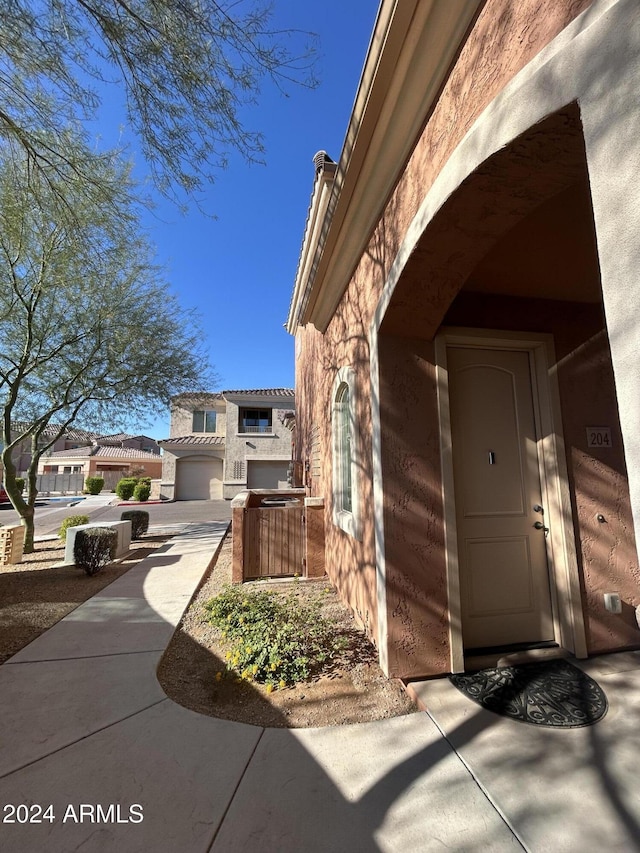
x,y
410,53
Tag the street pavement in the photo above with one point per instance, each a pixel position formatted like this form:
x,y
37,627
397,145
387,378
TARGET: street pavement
x,y
105,507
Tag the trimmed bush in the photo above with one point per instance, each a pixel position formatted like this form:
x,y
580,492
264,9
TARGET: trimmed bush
x,y
20,484
125,487
272,640
142,491
94,548
139,519
71,521
94,485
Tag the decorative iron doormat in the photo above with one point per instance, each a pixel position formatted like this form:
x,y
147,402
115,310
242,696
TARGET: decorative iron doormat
x,y
551,693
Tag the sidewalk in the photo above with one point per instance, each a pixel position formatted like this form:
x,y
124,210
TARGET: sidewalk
x,y
86,724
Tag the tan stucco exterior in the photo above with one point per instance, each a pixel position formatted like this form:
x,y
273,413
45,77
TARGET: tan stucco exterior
x,y
502,216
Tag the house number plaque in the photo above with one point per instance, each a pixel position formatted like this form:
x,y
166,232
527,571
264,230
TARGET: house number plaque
x,y
599,437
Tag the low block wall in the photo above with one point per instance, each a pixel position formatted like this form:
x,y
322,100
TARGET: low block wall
x,y
122,528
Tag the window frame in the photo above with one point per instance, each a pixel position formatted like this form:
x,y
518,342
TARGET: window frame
x,y
344,412
243,429
205,413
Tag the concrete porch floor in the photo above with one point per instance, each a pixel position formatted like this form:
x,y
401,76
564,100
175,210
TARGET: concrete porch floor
x,y
558,789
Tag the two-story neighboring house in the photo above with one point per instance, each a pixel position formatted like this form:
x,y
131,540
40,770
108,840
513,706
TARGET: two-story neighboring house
x,y
224,442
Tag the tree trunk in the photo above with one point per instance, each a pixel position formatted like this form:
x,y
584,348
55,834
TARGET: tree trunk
x,y
25,509
28,522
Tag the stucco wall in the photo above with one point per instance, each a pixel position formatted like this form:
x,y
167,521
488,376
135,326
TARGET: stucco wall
x,y
350,561
182,414
416,599
506,36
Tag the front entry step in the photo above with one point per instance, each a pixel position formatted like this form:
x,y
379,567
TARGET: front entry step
x,y
476,659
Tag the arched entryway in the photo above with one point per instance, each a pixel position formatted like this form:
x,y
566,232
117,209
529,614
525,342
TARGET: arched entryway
x,y
502,288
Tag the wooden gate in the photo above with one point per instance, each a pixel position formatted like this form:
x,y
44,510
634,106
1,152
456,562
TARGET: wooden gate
x,y
273,541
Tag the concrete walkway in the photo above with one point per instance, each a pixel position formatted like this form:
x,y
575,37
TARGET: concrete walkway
x,y
87,729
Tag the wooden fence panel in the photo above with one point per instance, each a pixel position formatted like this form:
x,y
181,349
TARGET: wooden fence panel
x,y
273,542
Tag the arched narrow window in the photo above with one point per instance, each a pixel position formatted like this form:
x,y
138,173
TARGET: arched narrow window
x,y
344,441
345,453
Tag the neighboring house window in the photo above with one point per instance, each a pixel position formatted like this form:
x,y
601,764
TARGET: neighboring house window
x,y
255,420
204,422
345,453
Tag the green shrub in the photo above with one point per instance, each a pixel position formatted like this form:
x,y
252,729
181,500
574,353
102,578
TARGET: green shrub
x,y
71,521
94,548
94,485
272,640
139,519
125,487
20,484
142,491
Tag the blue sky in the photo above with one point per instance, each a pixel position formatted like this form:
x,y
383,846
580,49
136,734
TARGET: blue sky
x,y
238,270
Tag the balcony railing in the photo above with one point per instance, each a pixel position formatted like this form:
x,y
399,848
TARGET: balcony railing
x,y
256,429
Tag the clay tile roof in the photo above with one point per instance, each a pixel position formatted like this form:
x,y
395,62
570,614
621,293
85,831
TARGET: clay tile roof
x,y
120,436
110,452
50,430
206,440
79,435
264,392
126,452
77,451
197,395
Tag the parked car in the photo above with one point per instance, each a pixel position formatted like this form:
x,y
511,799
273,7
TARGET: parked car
x,y
4,497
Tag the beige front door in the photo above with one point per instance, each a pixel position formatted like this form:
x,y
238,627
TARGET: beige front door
x,y
504,576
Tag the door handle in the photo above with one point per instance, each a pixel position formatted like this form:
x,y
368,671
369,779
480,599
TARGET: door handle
x,y
540,526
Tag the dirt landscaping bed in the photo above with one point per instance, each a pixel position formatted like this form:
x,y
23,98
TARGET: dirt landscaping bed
x,y
352,689
34,596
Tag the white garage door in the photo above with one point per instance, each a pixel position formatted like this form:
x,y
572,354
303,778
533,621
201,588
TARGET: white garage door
x,y
199,479
267,475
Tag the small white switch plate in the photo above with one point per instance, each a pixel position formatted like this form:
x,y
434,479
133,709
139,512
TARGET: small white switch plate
x,y
612,602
